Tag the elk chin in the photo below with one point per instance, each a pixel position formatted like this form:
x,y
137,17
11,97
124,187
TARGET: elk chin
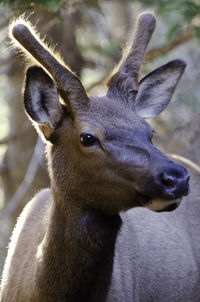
x,y
162,205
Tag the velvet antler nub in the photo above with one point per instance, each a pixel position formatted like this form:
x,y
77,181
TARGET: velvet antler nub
x,y
66,80
127,75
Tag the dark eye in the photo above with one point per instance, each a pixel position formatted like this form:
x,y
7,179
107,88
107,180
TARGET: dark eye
x,y
152,134
87,139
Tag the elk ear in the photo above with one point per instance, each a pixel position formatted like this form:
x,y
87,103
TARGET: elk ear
x,y
156,89
41,100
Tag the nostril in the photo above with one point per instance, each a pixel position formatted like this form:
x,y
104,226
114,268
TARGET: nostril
x,y
168,180
187,186
187,179
174,183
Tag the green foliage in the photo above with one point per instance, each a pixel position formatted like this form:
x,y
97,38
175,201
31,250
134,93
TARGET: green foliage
x,y
186,9
52,5
197,32
107,50
173,31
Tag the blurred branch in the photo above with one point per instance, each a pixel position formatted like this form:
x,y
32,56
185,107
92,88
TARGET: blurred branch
x,y
27,181
193,121
5,70
5,22
186,161
161,51
4,61
50,24
97,83
2,168
156,53
90,64
7,139
11,137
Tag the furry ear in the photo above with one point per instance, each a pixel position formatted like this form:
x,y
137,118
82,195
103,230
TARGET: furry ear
x,y
156,89
41,100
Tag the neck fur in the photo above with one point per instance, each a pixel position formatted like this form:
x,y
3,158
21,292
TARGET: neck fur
x,y
78,254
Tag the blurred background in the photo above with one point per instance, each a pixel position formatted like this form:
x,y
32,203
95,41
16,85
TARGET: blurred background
x,y
90,35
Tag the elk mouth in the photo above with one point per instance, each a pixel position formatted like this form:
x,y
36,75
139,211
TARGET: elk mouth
x,y
163,205
158,204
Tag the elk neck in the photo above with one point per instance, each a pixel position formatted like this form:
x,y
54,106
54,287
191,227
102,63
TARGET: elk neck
x,y
78,252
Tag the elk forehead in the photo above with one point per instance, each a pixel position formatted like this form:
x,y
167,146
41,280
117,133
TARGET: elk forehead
x,y
115,118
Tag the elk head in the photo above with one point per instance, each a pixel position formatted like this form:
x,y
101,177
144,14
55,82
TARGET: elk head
x,y
101,153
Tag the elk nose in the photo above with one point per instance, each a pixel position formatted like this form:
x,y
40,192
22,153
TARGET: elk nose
x,y
175,182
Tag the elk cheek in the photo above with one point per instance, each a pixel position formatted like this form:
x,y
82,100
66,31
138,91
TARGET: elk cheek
x,y
140,157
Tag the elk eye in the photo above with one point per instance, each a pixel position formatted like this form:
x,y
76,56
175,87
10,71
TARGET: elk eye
x,y
152,134
87,139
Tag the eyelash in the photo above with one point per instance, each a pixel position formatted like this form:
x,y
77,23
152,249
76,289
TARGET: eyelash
x,y
152,134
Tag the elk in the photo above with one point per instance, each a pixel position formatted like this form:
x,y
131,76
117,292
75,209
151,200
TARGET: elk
x,y
89,237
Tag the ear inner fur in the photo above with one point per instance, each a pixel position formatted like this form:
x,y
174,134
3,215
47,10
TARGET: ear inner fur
x,y
41,100
156,89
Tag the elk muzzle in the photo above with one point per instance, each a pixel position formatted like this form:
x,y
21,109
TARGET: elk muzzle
x,y
172,183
